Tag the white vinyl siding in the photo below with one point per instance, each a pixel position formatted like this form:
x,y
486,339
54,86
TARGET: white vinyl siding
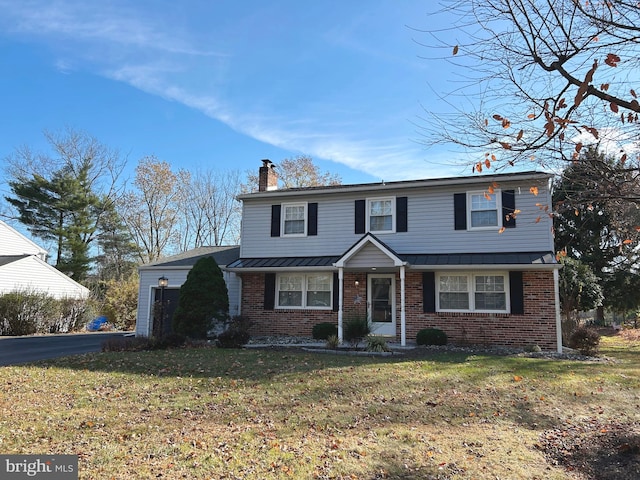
x,y
484,210
380,215
294,219
472,292
304,291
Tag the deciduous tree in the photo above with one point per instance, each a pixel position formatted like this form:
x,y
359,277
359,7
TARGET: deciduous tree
x,y
298,172
538,80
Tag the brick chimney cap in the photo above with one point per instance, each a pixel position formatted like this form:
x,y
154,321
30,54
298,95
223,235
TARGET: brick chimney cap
x,y
267,163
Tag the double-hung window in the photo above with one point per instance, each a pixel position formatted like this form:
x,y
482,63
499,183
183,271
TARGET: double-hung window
x,y
483,210
472,292
304,290
294,219
380,215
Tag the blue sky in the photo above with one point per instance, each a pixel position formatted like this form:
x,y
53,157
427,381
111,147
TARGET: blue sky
x,y
224,83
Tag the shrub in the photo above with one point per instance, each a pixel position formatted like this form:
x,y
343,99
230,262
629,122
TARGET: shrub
x,y
237,334
332,342
377,344
126,344
28,312
431,336
322,331
586,340
203,300
120,302
172,340
355,328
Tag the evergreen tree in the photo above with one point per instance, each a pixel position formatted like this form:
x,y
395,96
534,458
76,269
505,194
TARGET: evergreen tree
x,y
203,300
594,220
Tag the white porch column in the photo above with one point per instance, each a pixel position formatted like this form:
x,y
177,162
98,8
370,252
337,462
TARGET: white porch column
x,y
340,301
403,317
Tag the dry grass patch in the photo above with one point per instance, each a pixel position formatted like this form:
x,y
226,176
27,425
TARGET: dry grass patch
x,y
209,413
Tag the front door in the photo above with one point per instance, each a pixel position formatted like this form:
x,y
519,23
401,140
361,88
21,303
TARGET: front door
x,y
382,312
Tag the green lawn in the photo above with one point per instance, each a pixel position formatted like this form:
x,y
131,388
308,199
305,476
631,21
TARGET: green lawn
x,y
258,414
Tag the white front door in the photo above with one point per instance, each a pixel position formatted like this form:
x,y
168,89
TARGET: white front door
x,y
381,295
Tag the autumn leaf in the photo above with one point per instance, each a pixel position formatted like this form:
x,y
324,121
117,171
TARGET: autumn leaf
x,y
487,163
506,123
493,158
623,158
497,117
538,219
612,60
582,90
604,87
502,230
531,116
627,241
517,378
614,107
455,50
633,93
534,190
520,134
491,189
591,130
505,145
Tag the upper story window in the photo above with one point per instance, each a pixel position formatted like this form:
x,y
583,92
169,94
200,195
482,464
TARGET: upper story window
x,y
380,215
294,219
483,210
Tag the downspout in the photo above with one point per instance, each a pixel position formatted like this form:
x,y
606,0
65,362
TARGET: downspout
x,y
340,301
403,317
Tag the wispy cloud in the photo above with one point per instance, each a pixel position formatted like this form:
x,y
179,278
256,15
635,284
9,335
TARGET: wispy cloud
x,y
145,49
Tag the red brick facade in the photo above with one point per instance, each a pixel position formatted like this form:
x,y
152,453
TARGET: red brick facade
x,y
536,326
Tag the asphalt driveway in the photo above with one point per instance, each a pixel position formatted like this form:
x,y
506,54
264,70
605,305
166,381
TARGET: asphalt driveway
x,y
19,350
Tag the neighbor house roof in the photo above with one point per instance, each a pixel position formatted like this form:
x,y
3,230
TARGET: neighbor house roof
x,y
223,255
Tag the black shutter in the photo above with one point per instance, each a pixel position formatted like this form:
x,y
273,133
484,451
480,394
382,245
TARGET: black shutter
x,y
275,220
460,211
428,292
516,292
508,207
336,292
360,216
312,225
401,214
269,291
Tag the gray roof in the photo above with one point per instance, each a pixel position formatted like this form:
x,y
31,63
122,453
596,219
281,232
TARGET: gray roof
x,y
448,259
7,259
415,260
222,255
420,183
284,262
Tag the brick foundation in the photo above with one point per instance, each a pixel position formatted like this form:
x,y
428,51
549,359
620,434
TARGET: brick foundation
x,y
536,326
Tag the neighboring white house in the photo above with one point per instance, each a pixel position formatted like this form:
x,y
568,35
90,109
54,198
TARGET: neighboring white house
x,y
175,270
23,267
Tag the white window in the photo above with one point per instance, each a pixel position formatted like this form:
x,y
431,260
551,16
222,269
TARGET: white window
x,y
484,208
380,214
305,291
472,292
294,219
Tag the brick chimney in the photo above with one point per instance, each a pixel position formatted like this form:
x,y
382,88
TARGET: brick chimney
x,y
267,177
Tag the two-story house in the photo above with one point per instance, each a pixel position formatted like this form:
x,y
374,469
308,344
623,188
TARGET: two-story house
x,y
472,256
